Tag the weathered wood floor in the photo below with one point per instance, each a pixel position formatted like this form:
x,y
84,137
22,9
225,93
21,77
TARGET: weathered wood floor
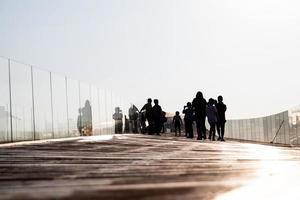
x,y
147,167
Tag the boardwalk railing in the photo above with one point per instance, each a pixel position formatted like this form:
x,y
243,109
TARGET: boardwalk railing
x,y
39,104
281,128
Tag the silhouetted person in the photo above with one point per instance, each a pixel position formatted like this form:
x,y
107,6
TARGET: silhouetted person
x,y
188,120
118,116
126,129
148,114
142,120
177,121
199,106
133,118
79,122
157,117
163,121
212,117
87,122
221,108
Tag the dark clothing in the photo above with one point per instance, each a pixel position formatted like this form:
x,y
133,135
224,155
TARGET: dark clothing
x,y
188,122
157,112
79,125
201,128
118,126
149,116
157,118
221,108
148,108
177,126
142,120
189,129
212,130
212,113
177,118
221,129
188,114
177,121
199,106
126,129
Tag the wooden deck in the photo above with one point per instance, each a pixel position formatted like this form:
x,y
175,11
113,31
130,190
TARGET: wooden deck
x,y
147,167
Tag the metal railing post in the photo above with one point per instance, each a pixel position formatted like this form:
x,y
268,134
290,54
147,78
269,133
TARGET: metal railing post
x,y
10,101
51,98
33,111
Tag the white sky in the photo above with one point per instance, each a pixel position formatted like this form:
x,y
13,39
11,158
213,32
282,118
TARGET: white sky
x,y
248,51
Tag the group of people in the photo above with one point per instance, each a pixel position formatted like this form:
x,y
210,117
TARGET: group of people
x,y
155,117
197,111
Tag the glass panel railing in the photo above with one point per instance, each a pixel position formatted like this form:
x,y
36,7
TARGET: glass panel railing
x,y
22,102
5,120
42,104
60,111
73,107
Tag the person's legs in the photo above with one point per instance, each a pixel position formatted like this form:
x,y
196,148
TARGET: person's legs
x,y
213,129
210,130
157,125
150,125
190,129
199,131
222,130
179,129
134,126
203,128
219,130
186,128
116,126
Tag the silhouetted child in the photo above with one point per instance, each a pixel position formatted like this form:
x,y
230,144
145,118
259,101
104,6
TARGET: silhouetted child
x,y
188,119
177,121
164,119
212,117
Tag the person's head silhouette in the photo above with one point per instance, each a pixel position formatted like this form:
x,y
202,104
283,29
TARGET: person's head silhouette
x,y
220,98
211,101
87,103
189,104
156,101
117,109
177,113
215,101
199,95
149,100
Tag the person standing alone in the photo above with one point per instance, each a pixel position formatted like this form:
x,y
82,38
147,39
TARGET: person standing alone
x,y
221,109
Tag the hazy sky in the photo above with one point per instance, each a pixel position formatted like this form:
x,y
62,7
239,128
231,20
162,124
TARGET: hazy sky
x,y
248,51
